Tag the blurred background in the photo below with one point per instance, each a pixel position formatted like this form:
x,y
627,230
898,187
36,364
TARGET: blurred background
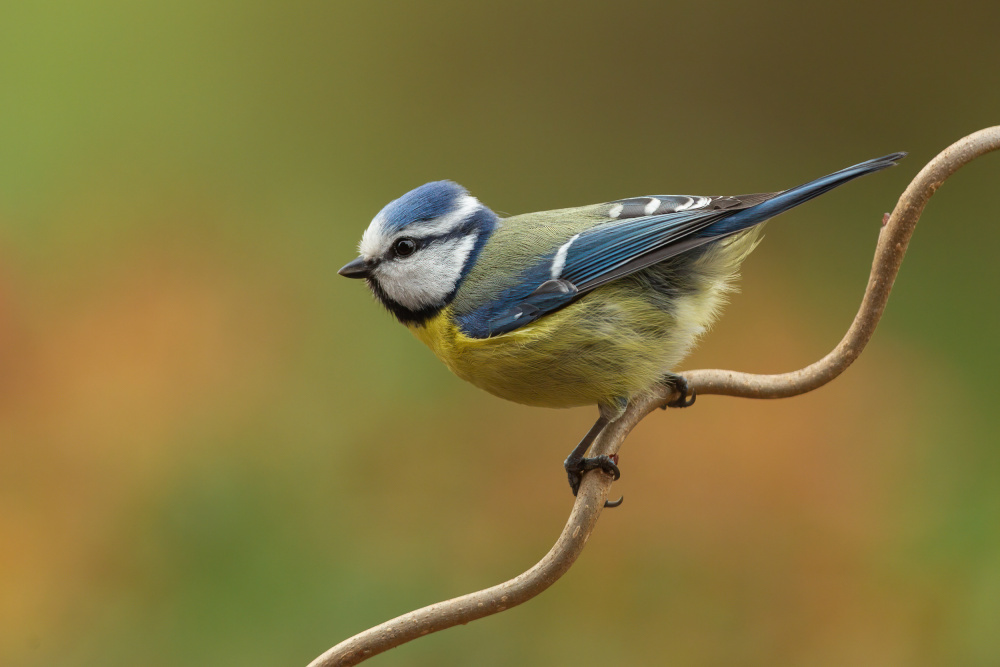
x,y
216,451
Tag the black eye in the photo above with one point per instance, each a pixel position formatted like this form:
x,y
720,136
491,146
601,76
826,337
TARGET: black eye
x,y
404,247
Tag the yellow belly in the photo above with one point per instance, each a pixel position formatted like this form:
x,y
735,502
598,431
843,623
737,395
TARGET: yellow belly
x,y
612,344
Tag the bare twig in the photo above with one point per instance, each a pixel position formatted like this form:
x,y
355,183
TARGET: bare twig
x,y
892,243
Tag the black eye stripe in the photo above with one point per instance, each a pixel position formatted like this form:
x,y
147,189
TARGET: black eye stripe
x,y
424,241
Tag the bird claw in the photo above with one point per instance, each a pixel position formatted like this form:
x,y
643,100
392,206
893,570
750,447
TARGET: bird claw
x,y
614,503
575,478
679,384
575,470
576,463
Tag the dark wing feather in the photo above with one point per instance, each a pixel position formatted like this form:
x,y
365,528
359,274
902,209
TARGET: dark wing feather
x,y
638,207
641,231
602,254
606,247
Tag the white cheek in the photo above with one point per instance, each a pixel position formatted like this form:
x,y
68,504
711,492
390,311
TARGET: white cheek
x,y
429,276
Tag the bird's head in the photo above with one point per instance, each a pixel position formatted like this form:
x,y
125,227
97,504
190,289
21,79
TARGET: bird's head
x,y
418,248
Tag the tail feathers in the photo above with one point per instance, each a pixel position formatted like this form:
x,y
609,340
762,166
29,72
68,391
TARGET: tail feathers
x,y
783,201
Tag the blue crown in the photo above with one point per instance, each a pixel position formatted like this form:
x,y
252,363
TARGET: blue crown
x,y
429,201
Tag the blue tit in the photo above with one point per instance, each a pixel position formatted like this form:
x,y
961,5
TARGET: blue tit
x,y
575,306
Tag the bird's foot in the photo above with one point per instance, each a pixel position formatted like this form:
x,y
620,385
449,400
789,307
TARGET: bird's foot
x,y
679,384
576,466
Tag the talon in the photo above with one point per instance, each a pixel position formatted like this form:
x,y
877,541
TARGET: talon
x,y
614,503
607,465
575,470
602,462
576,463
574,481
679,384
684,401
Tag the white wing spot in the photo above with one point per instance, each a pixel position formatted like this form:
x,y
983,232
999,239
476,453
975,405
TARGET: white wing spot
x,y
694,203
615,211
651,207
559,261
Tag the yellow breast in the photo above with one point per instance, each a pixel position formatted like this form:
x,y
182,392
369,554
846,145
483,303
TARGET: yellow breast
x,y
613,343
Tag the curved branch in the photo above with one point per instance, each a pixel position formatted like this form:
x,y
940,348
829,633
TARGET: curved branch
x,y
461,610
892,243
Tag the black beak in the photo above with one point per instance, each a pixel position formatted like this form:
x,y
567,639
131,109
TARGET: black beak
x,y
356,269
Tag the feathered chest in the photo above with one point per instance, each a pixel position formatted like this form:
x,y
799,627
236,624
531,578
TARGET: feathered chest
x,y
613,342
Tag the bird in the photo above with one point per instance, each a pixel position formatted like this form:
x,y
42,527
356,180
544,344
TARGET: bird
x,y
593,305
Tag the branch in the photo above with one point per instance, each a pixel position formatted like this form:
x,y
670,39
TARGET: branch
x,y
892,243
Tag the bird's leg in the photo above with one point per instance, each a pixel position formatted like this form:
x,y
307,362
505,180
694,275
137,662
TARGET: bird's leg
x,y
679,384
576,463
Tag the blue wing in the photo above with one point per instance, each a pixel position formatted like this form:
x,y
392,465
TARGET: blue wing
x,y
633,240
580,265
593,258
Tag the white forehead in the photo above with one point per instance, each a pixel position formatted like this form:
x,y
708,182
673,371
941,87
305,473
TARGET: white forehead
x,y
380,234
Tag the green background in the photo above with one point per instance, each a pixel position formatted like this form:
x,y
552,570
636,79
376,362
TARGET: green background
x,y
215,451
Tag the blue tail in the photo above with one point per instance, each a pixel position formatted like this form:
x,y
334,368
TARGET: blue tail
x,y
783,201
